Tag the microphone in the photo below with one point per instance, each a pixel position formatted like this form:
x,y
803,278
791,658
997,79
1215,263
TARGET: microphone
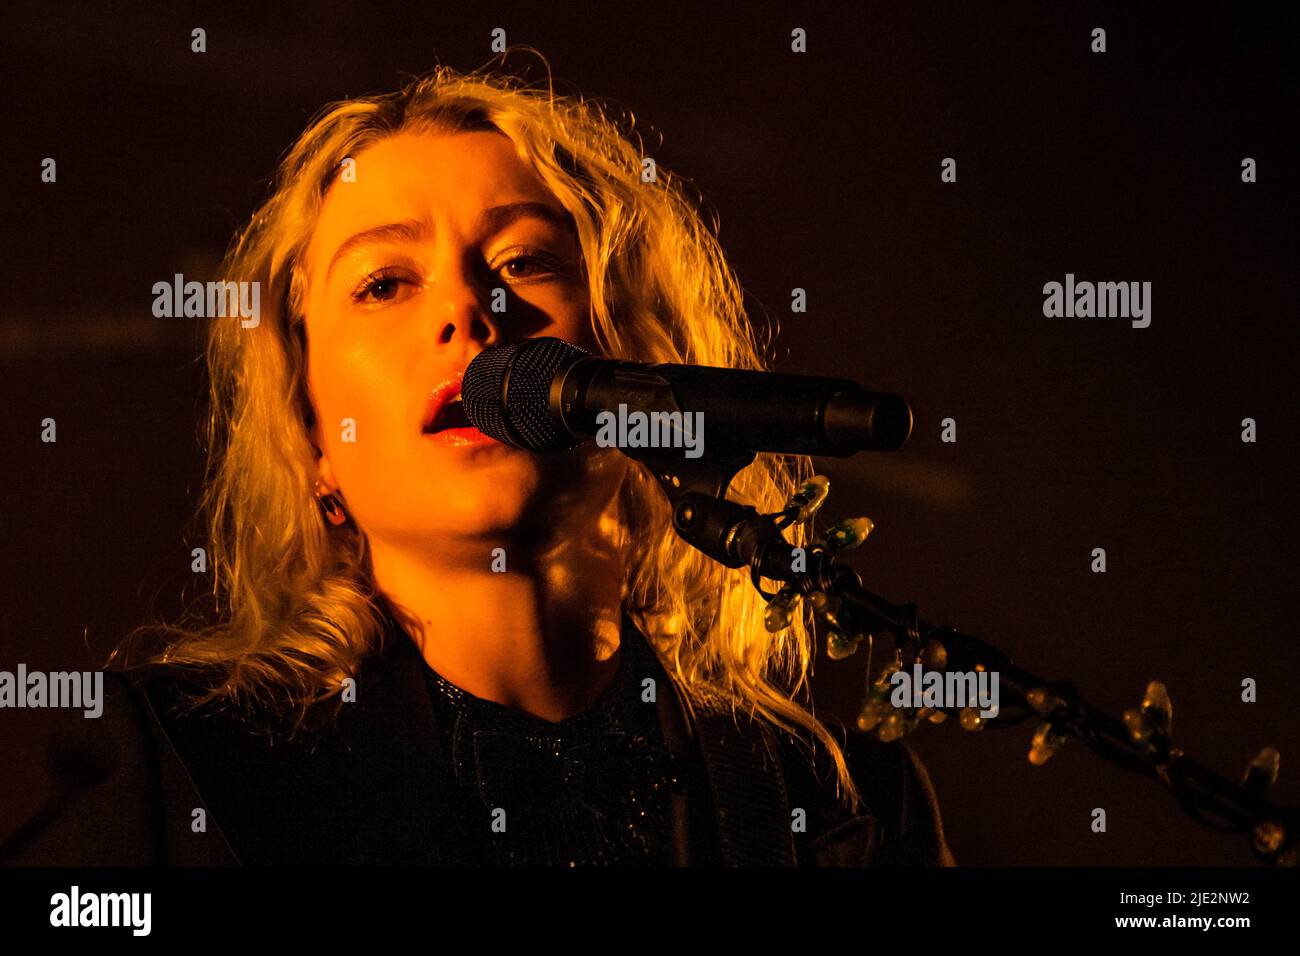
x,y
547,395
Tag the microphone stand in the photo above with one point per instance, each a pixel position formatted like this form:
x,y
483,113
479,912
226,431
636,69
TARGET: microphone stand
x,y
738,536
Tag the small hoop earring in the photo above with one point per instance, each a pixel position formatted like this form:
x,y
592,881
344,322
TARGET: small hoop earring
x,y
330,506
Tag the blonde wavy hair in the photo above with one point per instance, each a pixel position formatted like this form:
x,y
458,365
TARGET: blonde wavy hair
x,y
293,606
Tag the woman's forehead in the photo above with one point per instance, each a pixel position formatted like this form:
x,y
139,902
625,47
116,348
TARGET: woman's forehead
x,y
448,169
440,177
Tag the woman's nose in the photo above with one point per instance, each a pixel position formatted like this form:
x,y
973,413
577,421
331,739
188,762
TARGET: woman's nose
x,y
460,316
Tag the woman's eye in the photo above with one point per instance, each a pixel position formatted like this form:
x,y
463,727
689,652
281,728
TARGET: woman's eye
x,y
381,287
528,266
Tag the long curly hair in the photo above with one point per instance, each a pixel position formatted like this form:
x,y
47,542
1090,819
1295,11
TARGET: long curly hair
x,y
293,606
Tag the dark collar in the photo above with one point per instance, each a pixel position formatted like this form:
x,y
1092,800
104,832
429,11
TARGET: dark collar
x,y
370,788
374,786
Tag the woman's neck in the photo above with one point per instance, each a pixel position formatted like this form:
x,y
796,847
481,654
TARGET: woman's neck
x,y
541,636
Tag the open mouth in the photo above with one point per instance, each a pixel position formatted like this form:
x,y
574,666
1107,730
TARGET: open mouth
x,y
450,414
445,422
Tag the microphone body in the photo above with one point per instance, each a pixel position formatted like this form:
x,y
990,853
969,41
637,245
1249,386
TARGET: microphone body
x,y
544,395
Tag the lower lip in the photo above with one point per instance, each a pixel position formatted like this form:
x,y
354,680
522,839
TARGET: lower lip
x,y
460,437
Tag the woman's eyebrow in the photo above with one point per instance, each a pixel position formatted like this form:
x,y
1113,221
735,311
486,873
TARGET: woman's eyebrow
x,y
490,222
499,217
408,231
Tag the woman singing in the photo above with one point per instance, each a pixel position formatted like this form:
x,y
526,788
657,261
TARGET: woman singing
x,y
424,646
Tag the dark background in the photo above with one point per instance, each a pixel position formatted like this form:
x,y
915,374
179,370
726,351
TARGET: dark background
x,y
824,168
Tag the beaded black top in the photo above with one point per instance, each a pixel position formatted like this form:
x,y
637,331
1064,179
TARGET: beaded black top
x,y
590,790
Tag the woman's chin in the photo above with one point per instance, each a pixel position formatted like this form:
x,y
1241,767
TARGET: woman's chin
x,y
520,496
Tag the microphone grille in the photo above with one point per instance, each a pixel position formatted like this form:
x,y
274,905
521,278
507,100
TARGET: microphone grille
x,y
506,393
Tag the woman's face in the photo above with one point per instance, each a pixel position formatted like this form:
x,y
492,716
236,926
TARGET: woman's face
x,y
402,274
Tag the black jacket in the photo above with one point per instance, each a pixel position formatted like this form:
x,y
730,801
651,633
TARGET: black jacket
x,y
372,791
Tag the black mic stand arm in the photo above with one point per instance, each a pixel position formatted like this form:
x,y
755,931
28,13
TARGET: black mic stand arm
x,y
738,536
